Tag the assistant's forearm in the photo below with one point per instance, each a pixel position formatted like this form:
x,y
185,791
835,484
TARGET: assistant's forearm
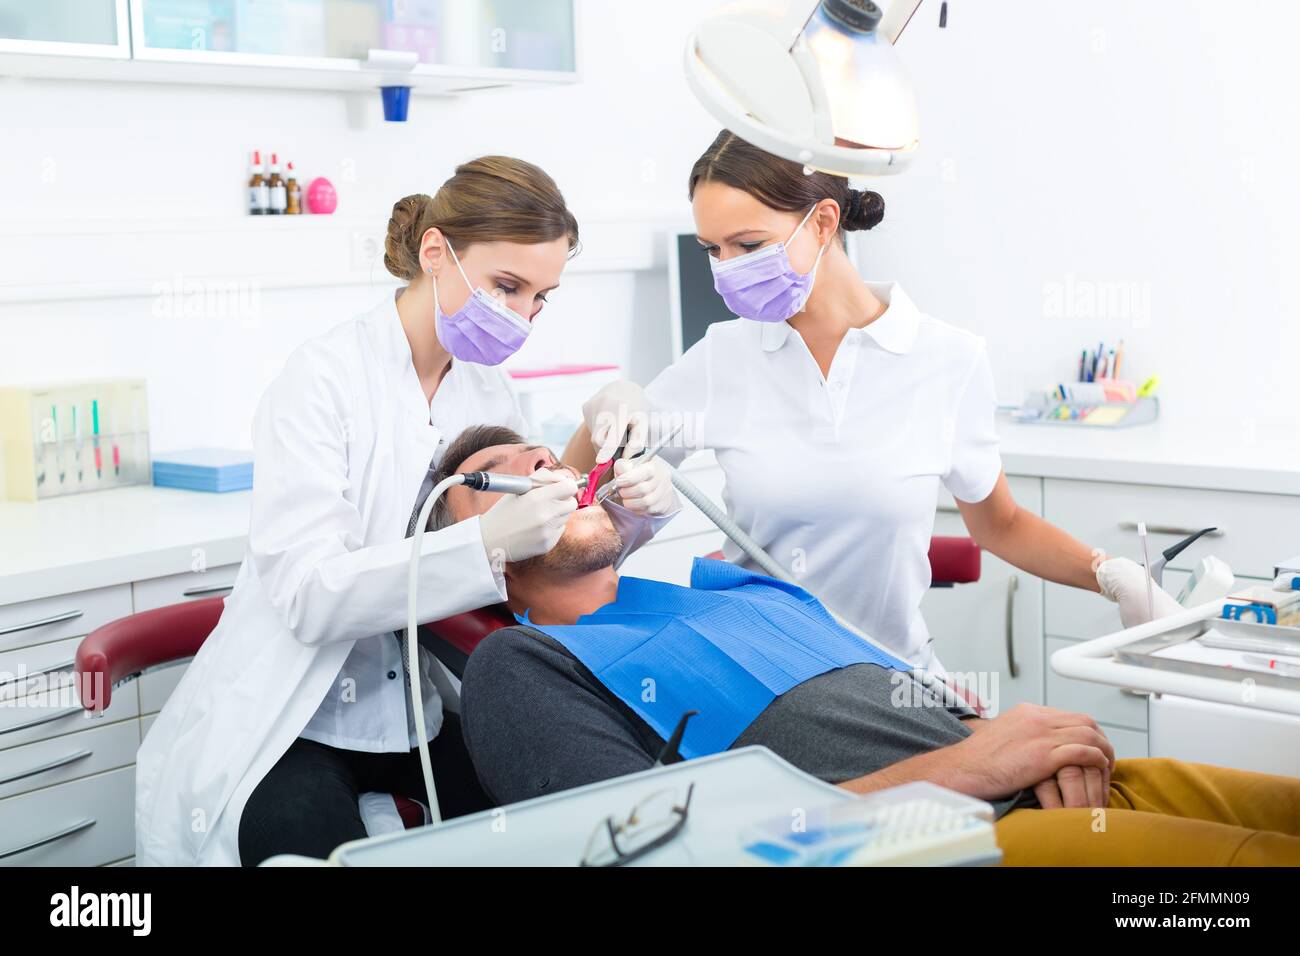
x,y
1041,548
579,453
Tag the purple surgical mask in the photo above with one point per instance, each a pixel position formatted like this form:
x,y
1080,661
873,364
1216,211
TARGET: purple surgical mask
x,y
484,330
762,285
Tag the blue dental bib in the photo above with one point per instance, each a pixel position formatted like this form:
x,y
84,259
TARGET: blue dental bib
x,y
727,646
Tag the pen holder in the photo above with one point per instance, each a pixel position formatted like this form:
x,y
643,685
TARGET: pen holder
x,y
1050,409
66,438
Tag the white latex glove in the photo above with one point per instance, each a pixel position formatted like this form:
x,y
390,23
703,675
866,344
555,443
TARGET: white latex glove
x,y
646,488
524,526
1125,582
617,409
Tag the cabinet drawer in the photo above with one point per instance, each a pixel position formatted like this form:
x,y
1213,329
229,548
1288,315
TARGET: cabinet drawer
x,y
67,615
190,586
670,560
1102,702
83,823
145,723
1256,530
30,712
157,686
1129,744
31,670
60,759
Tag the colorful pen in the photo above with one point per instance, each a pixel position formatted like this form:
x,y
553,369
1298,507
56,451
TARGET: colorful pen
x,y
94,427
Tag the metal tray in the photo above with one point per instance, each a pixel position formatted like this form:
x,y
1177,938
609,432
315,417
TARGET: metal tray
x,y
1140,653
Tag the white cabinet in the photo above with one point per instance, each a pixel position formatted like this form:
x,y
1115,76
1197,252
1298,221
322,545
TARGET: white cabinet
x,y
465,34
85,822
43,620
1253,530
442,46
60,759
1128,743
1108,705
92,28
41,706
991,631
177,588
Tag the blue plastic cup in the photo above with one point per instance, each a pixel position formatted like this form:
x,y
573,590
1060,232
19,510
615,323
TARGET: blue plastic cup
x,y
396,101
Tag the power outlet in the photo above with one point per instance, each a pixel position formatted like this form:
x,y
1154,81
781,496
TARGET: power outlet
x,y
365,249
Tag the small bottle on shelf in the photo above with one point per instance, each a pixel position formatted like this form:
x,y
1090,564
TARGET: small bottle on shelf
x,y
279,198
293,192
259,194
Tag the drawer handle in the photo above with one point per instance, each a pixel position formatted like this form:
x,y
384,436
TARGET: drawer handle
x,y
49,669
208,589
948,509
45,768
56,619
1174,529
1144,694
52,838
48,718
1013,584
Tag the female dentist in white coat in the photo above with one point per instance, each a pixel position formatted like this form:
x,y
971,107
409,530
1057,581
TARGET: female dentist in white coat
x,y
836,409
297,700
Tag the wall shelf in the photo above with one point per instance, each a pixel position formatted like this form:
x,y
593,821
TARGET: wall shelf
x,y
327,75
237,256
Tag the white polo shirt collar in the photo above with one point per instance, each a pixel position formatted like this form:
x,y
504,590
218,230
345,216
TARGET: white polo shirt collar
x,y
894,331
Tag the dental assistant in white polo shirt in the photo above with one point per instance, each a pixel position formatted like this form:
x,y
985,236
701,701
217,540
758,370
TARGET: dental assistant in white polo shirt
x,y
837,409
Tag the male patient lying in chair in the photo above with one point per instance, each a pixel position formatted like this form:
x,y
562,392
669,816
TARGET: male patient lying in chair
x,y
591,683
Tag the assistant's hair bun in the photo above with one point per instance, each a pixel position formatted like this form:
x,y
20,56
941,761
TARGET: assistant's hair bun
x,y
865,209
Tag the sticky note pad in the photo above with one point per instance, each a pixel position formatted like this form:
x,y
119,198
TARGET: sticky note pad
x,y
1106,415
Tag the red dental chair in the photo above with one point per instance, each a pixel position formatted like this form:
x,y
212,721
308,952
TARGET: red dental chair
x,y
124,649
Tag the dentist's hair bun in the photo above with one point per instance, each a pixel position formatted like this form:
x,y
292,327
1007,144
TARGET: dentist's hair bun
x,y
402,245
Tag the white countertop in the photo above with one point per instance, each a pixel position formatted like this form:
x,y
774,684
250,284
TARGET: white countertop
x,y
130,534
1260,460
100,538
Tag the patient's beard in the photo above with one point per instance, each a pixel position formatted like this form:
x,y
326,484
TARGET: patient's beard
x,y
574,555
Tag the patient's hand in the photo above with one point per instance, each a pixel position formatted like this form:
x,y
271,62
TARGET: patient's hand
x,y
1074,787
1032,746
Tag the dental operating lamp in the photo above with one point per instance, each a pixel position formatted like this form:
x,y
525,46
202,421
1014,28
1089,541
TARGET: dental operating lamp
x,y
819,84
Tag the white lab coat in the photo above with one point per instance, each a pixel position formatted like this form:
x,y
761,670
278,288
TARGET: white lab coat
x,y
342,440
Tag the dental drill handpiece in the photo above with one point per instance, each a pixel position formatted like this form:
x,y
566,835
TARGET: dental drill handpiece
x,y
505,484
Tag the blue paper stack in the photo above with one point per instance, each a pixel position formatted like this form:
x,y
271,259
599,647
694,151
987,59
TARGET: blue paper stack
x,y
204,469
